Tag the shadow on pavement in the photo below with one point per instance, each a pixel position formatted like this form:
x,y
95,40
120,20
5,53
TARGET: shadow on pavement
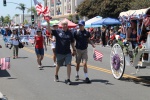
x,y
4,73
11,78
22,57
48,66
75,83
102,81
141,80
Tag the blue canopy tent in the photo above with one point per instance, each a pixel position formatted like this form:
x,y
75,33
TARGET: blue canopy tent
x,y
107,21
88,22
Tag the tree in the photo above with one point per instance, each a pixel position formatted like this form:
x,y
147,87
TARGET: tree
x,y
104,8
2,19
70,17
112,8
25,22
33,11
7,19
140,4
22,8
16,15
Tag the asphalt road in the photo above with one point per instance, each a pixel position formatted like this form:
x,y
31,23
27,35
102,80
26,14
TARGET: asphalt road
x,y
24,81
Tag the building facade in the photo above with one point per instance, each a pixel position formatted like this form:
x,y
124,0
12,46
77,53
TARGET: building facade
x,y
62,8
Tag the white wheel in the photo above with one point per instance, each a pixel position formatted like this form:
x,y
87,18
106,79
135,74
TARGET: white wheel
x,y
117,61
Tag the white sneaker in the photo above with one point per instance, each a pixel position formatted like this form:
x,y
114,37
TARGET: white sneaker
x,y
54,64
39,66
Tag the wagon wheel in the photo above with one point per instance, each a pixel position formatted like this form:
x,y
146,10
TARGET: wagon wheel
x,y
117,61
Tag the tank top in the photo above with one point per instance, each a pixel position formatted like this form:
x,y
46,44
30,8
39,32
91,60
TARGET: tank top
x,y
39,42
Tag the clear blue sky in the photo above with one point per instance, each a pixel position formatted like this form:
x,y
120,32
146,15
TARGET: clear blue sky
x,y
11,8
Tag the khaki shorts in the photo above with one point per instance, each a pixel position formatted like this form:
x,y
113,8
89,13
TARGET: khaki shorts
x,y
81,55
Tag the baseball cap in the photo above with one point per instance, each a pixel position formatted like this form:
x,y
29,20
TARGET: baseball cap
x,y
81,22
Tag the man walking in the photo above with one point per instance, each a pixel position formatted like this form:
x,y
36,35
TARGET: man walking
x,y
63,52
82,38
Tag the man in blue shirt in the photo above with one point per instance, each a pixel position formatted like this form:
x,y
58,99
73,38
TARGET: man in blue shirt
x,y
64,39
82,38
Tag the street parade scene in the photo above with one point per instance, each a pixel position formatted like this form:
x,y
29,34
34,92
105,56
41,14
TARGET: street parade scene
x,y
75,49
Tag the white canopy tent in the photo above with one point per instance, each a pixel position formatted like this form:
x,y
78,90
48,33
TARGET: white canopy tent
x,y
135,12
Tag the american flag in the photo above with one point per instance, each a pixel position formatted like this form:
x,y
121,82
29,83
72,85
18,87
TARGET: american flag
x,y
5,63
97,55
41,10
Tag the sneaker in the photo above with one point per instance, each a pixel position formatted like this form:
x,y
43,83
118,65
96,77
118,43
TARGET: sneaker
x,y
54,64
14,57
39,66
77,78
56,79
87,80
68,81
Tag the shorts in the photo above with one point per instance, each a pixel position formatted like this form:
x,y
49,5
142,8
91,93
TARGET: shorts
x,y
63,59
81,55
53,45
39,51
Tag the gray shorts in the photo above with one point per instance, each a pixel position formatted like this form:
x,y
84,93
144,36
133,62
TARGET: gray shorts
x,y
63,59
81,55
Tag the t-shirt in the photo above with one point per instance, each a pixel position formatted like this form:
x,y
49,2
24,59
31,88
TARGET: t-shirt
x,y
81,38
63,41
32,32
39,42
15,39
47,33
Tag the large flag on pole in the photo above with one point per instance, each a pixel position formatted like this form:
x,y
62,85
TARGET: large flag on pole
x,y
42,10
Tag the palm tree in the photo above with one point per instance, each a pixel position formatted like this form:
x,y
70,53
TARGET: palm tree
x,y
22,7
16,15
33,11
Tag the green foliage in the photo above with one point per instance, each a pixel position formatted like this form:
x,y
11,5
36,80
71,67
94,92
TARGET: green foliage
x,y
70,17
2,19
21,7
140,4
7,19
104,8
25,22
33,10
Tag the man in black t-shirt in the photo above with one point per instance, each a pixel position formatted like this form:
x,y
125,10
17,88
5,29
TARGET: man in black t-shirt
x,y
64,39
82,38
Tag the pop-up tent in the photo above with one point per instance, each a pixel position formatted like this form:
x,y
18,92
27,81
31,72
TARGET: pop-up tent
x,y
107,21
89,22
70,24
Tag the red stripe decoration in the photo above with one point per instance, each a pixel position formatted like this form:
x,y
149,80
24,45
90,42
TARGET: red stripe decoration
x,y
42,10
97,56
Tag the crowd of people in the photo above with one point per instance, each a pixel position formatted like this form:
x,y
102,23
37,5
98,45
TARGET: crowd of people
x,y
62,39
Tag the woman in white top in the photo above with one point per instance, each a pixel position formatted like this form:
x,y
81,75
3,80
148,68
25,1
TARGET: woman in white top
x,y
15,43
53,44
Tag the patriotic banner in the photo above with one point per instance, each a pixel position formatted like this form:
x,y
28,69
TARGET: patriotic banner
x,y
24,38
42,10
97,55
5,63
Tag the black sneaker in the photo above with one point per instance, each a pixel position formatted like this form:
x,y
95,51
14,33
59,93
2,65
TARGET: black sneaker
x,y
77,78
87,80
56,79
68,81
